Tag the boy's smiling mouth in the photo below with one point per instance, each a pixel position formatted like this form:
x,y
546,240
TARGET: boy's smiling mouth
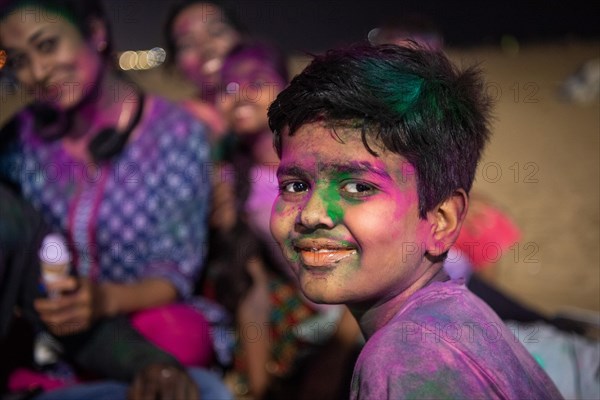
x,y
322,252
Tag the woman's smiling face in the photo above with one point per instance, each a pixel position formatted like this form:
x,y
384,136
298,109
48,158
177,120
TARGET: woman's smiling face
x,y
202,38
49,56
250,86
347,220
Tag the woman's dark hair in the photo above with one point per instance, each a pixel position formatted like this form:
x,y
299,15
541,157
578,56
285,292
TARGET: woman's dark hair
x,y
229,17
230,251
79,12
411,100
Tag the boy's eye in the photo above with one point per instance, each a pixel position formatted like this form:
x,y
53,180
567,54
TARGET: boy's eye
x,y
357,188
295,187
48,45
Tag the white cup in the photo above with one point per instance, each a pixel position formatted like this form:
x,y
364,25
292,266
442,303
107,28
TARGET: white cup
x,y
55,260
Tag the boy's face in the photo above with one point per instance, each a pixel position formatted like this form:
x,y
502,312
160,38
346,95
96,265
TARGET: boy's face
x,y
347,220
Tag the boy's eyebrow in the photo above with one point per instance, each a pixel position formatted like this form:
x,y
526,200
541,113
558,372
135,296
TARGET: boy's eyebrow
x,y
351,167
291,170
355,167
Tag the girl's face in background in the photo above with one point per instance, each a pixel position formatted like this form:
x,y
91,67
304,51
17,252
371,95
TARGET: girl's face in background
x,y
202,38
250,85
49,56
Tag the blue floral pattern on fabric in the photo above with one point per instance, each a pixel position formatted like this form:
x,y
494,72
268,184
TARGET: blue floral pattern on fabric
x,y
142,214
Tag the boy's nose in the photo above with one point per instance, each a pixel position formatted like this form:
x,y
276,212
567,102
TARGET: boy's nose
x,y
316,214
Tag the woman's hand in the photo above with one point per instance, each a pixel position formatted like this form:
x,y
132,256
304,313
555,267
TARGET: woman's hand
x,y
82,302
165,382
74,310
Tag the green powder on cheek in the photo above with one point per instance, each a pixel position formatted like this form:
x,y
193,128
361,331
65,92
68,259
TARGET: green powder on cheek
x,y
292,255
279,207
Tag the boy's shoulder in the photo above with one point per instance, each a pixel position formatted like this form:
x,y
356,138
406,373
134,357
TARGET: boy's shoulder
x,y
444,316
445,342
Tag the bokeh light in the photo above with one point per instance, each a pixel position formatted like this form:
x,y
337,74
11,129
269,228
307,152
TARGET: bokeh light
x,y
142,59
156,57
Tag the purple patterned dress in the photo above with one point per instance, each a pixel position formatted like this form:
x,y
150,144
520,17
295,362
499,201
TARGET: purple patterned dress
x,y
141,215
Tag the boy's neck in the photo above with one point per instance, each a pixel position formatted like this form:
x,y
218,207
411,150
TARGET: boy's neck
x,y
376,316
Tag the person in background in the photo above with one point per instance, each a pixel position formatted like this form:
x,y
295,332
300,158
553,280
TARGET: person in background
x,y
21,233
116,171
198,36
112,348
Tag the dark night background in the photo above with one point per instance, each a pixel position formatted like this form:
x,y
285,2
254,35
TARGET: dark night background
x,y
315,25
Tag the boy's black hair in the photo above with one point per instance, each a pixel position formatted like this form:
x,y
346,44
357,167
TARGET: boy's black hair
x,y
411,100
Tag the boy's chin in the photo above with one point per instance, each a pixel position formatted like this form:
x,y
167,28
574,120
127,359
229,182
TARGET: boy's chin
x,y
319,299
321,296
320,287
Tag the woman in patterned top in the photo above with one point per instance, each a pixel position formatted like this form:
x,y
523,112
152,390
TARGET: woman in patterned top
x,y
120,174
198,35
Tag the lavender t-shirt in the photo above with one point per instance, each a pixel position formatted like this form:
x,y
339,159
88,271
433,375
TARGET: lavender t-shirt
x,y
447,343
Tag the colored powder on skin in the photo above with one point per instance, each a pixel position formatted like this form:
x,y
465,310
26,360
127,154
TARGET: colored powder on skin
x,y
279,207
292,256
332,199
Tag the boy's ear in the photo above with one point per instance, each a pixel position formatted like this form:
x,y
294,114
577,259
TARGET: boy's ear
x,y
446,220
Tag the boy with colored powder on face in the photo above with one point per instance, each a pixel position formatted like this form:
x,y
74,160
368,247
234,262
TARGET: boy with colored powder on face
x,y
378,149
